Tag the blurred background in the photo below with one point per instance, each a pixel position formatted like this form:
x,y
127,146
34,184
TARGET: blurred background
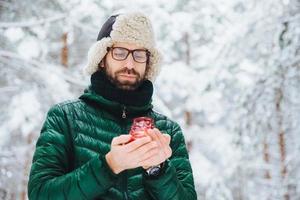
x,y
230,77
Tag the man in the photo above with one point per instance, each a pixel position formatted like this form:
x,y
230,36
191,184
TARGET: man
x,y
84,150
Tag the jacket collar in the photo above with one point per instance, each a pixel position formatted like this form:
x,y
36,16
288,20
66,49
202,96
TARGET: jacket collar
x,y
104,94
113,107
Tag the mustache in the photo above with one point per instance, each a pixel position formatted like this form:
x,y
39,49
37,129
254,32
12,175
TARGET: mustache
x,y
127,71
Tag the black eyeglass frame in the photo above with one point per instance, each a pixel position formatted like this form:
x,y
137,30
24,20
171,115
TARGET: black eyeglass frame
x,y
129,52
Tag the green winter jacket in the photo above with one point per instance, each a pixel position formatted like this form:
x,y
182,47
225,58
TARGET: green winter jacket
x,y
69,161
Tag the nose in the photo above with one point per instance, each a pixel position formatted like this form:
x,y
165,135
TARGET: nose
x,y
129,62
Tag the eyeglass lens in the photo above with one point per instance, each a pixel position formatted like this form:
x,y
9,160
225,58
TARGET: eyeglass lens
x,y
120,53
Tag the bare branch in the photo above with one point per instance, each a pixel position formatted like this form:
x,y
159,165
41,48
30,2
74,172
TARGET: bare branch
x,y
32,23
37,65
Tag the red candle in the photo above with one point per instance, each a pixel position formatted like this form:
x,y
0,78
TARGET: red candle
x,y
140,126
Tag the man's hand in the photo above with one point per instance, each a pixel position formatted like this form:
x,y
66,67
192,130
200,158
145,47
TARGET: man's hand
x,y
164,150
124,156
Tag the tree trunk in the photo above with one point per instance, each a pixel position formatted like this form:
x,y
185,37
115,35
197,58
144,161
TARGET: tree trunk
x,y
188,122
281,139
64,50
188,49
266,159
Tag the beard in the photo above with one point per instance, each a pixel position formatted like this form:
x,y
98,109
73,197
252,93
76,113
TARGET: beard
x,y
113,77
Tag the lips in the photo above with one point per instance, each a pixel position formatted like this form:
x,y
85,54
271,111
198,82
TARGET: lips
x,y
127,72
127,76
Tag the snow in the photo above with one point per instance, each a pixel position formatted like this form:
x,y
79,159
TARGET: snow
x,y
29,48
241,86
25,110
4,136
14,34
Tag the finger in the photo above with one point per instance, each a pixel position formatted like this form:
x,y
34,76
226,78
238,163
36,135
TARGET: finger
x,y
151,161
167,138
156,135
168,152
149,154
139,152
120,139
165,146
137,143
159,137
153,134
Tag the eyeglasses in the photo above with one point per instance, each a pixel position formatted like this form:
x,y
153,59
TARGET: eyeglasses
x,y
121,53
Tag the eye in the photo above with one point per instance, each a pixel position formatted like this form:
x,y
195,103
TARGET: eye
x,y
140,54
120,52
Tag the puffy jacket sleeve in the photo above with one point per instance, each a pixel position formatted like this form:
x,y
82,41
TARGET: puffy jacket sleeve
x,y
176,182
51,176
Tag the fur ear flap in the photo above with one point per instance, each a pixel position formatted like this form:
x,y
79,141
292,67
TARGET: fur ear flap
x,y
96,53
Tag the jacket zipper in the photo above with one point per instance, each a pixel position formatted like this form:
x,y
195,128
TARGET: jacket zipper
x,y
124,177
124,112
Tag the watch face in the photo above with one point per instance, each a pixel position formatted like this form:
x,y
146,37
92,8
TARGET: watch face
x,y
154,171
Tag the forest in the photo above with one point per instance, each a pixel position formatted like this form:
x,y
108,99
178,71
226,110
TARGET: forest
x,y
230,77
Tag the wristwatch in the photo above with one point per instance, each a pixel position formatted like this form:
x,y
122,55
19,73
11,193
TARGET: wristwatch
x,y
154,171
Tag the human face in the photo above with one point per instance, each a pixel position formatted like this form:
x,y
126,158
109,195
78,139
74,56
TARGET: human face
x,y
125,74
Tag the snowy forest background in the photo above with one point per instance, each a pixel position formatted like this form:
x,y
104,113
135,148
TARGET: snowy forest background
x,y
230,77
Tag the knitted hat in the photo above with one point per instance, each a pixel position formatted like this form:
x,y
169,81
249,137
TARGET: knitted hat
x,y
133,28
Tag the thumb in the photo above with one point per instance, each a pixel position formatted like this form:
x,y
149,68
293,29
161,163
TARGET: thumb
x,y
121,139
167,138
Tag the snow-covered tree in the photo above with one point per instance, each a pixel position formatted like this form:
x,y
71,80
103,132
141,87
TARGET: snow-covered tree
x,y
230,77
